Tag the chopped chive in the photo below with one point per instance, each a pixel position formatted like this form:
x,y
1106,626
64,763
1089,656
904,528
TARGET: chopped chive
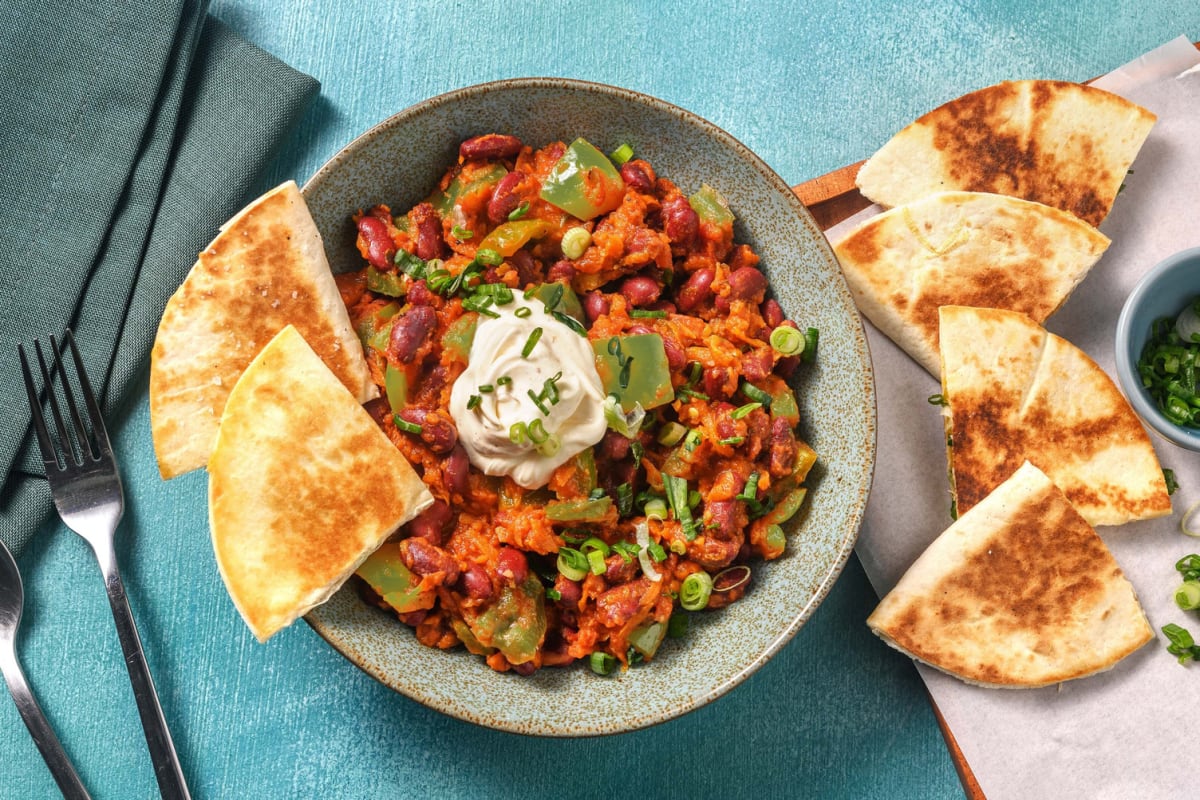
x,y
648,314
621,154
537,401
461,233
405,425
742,411
503,380
534,335
519,211
732,440
488,257
473,402
570,322
755,394
486,388
518,433
523,311
811,336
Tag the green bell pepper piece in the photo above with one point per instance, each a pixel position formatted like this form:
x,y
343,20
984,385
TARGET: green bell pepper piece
x,y
395,583
787,507
509,237
635,370
515,623
445,201
583,182
387,283
473,645
395,384
459,337
646,638
710,206
568,302
375,329
579,510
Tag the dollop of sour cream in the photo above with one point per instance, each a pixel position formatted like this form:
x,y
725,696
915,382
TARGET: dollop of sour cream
x,y
560,355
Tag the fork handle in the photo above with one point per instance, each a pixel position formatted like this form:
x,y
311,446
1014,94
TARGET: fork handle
x,y
43,735
168,772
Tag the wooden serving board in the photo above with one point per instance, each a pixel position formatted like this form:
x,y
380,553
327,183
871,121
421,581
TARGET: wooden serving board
x,y
832,198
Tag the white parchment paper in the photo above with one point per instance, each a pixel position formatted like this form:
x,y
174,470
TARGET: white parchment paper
x,y
1124,733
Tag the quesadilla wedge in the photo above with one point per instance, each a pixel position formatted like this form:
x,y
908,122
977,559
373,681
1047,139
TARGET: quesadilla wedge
x,y
303,486
1063,144
266,269
1015,392
963,248
1019,592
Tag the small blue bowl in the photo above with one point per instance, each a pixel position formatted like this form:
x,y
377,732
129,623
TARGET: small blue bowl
x,y
1163,292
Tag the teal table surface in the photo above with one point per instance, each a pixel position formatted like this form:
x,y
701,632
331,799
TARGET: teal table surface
x,y
810,86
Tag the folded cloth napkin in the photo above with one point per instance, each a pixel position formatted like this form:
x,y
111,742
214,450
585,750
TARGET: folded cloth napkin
x,y
132,130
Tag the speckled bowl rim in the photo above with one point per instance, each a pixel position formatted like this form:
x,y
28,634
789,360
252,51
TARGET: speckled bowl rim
x,y
1129,343
851,524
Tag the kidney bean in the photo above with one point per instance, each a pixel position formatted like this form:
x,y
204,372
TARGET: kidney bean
x,y
526,267
614,446
457,470
504,199
757,364
437,429
562,270
680,221
595,305
413,618
784,367
676,356
419,294
475,583
430,243
713,552
636,175
640,290
772,313
524,669
723,518
618,570
511,563
742,256
426,559
431,522
783,448
409,332
617,605
490,147
716,383
569,591
746,283
379,410
696,289
380,247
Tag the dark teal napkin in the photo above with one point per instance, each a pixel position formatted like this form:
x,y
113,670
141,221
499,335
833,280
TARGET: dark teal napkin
x,y
132,131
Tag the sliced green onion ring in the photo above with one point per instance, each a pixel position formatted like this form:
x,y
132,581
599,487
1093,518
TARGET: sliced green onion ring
x,y
729,579
695,591
787,341
1187,596
572,564
602,663
642,536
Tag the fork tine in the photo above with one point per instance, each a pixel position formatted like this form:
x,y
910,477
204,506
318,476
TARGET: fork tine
x,y
89,397
64,439
35,407
81,432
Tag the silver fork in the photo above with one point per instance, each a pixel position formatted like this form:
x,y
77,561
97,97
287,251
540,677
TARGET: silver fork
x,y
12,601
86,486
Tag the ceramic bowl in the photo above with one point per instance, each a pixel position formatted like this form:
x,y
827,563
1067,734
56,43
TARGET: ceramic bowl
x,y
398,162
1163,292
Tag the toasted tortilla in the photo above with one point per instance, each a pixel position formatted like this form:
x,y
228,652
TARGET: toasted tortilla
x,y
1062,144
963,248
1019,592
266,269
1015,392
303,486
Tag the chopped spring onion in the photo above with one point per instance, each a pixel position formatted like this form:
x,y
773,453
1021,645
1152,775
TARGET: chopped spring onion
x,y
553,594
1185,524
621,154
572,564
461,233
655,509
937,400
488,257
1189,567
677,626
743,411
627,425
405,425
732,441
642,534
692,440
575,241
594,544
1170,481
602,663
534,335
647,313
481,304
624,499
626,550
671,433
729,579
787,341
596,562
518,433
677,498
504,380
570,322
551,446
486,388
657,553
1181,644
519,211
523,311
695,591
755,394
473,402
537,432
811,335
1187,596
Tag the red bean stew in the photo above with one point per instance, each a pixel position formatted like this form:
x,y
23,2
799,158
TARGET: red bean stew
x,y
698,465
